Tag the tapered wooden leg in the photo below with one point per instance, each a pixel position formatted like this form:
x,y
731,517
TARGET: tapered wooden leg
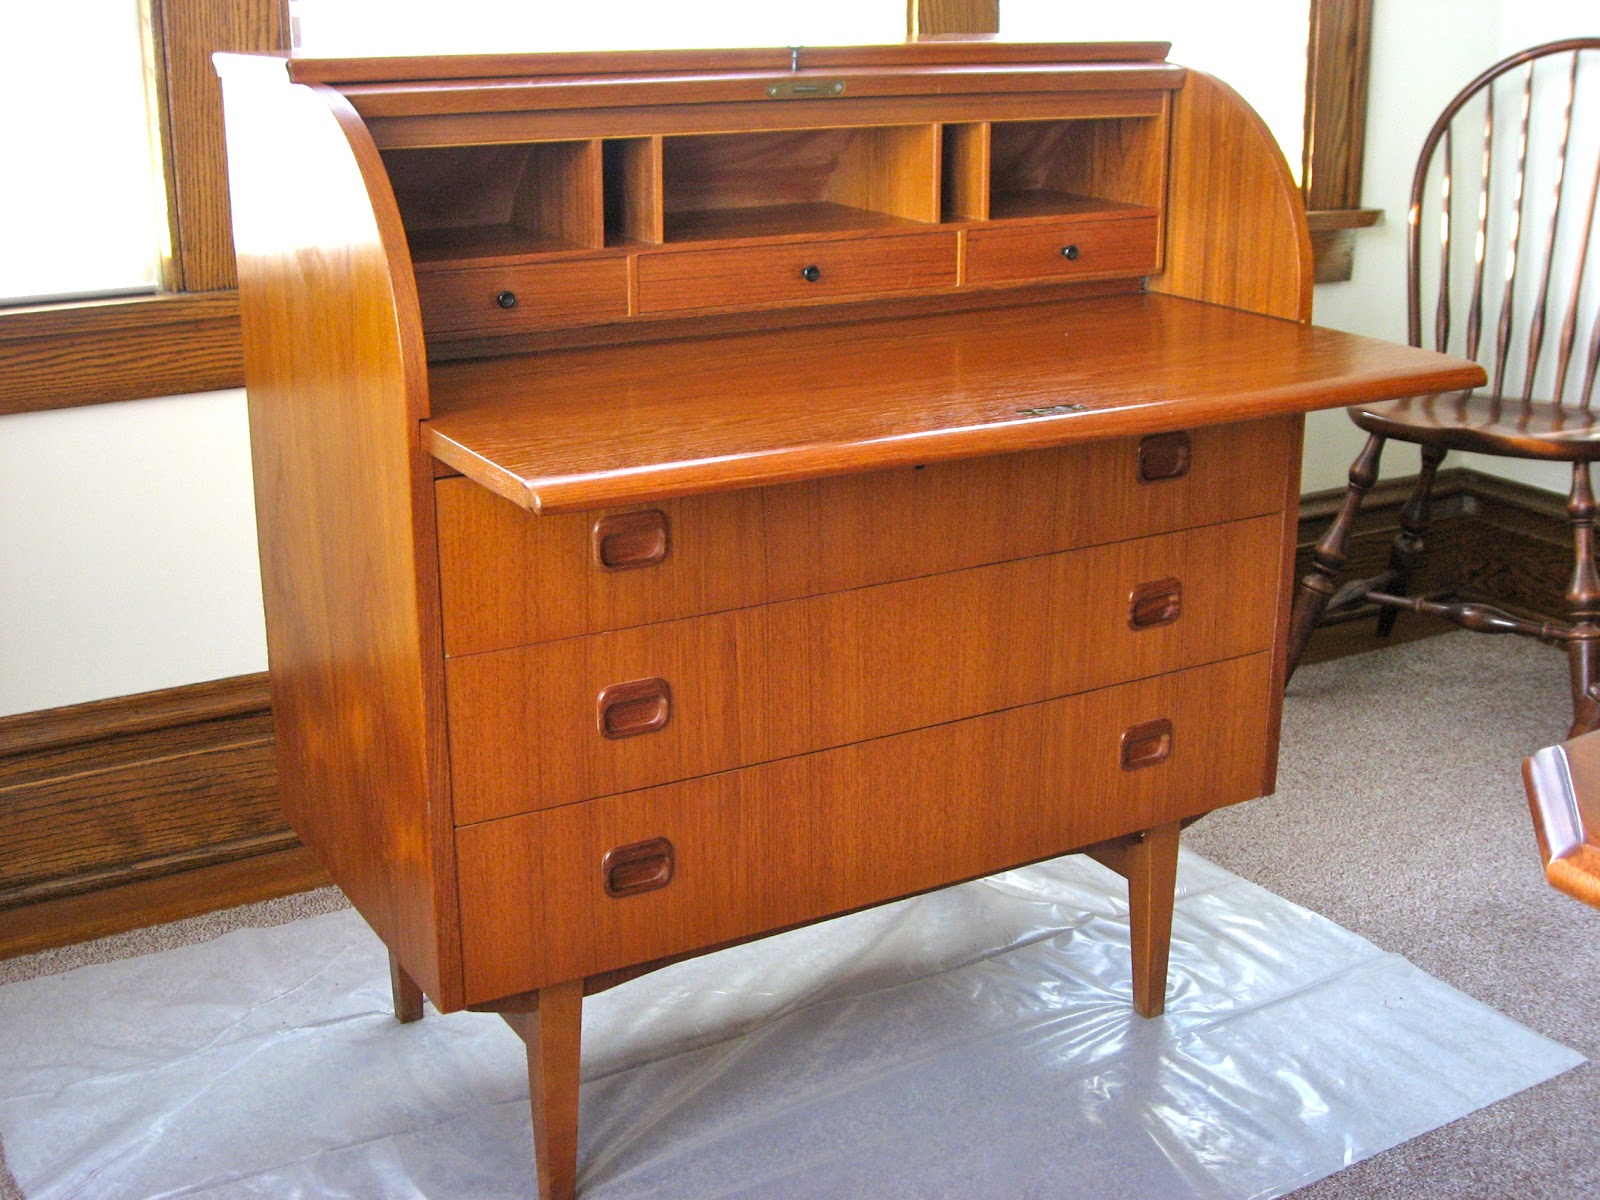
x,y
1410,544
1583,603
553,1034
1149,862
1327,560
1152,882
407,995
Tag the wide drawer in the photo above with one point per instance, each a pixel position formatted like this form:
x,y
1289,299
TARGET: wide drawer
x,y
725,857
551,724
512,578
520,297
796,273
1062,250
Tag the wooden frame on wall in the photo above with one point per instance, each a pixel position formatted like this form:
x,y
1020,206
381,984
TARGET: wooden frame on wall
x,y
186,339
1337,69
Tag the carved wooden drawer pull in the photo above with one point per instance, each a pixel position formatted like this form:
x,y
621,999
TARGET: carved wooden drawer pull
x,y
1146,744
1151,605
623,541
638,867
1164,456
639,706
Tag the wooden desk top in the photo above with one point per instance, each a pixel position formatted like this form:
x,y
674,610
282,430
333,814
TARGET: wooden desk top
x,y
587,428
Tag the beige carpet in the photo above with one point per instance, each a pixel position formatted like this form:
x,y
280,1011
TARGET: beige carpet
x,y
1400,815
1414,835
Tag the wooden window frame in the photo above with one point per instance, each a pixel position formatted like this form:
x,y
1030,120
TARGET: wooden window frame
x,y
1337,69
186,338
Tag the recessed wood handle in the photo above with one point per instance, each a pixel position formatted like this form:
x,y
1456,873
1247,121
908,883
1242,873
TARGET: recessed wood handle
x,y
1146,744
1153,604
1164,456
638,867
623,541
639,706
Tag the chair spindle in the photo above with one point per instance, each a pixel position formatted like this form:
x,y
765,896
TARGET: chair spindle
x,y
1441,324
1480,244
1502,341
1536,323
1569,326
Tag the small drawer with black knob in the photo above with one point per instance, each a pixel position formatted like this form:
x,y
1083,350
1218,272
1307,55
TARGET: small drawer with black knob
x,y
1007,253
521,297
796,272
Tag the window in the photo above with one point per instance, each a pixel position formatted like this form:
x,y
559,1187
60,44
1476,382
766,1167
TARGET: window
x,y
83,214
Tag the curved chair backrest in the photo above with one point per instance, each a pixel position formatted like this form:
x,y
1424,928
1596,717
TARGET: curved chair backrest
x,y
1529,135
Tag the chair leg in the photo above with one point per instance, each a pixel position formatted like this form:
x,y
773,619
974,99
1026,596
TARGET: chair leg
x,y
1327,560
552,1033
1405,556
1583,603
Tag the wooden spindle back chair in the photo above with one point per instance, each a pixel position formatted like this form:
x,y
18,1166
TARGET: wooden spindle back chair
x,y
1518,289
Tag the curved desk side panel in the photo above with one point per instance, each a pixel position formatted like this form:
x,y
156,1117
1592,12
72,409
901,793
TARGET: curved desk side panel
x,y
1236,227
1237,236
337,384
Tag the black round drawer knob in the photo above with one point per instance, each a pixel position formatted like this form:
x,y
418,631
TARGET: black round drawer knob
x,y
1070,253
506,299
811,274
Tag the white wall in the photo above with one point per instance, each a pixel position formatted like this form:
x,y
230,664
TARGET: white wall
x,y
127,534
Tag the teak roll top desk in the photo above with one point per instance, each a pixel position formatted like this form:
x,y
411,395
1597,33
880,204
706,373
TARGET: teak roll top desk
x,y
700,494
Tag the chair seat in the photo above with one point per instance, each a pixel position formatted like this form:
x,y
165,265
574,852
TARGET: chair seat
x,y
1486,423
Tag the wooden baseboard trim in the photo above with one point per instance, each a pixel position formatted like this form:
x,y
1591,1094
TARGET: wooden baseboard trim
x,y
192,893
1491,540
165,802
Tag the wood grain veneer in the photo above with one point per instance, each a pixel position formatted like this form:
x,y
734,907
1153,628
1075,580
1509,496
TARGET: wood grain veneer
x,y
55,356
570,92
783,679
744,620
116,907
1081,249
510,578
1229,188
533,903
543,295
965,167
562,432
934,18
423,128
101,794
815,271
333,353
635,204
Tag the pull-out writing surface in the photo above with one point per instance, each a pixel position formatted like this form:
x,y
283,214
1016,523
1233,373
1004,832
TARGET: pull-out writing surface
x,y
587,428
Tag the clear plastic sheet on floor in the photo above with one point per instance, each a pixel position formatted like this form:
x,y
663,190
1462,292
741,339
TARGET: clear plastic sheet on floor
x,y
976,1042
